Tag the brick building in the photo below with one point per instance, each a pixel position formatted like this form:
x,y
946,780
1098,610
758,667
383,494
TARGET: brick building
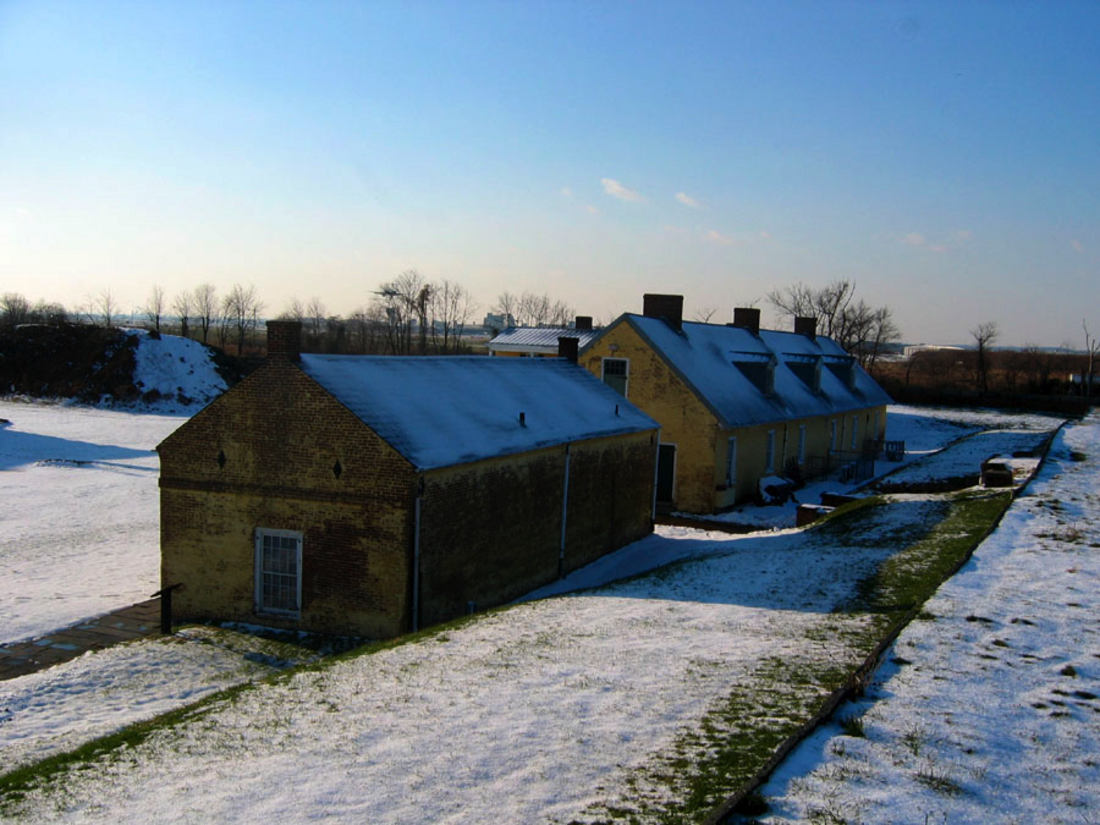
x,y
737,403
374,495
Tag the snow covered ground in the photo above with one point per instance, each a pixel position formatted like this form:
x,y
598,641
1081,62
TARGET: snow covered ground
x,y
79,514
988,710
551,711
925,431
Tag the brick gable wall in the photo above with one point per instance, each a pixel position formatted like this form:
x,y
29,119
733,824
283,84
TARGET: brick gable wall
x,y
265,455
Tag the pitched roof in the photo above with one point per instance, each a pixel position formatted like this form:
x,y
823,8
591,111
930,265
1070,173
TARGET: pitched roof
x,y
439,411
718,363
540,339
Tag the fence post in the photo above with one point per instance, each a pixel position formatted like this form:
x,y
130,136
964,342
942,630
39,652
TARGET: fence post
x,y
165,594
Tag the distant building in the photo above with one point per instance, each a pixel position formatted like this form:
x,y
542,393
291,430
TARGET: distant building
x,y
497,321
371,495
541,341
912,349
736,403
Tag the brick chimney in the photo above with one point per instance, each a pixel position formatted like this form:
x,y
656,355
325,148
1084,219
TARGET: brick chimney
x,y
747,318
668,307
284,340
806,326
583,322
567,348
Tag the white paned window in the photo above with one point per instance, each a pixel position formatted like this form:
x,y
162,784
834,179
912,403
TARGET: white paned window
x,y
855,432
769,452
278,571
616,373
731,461
801,443
832,435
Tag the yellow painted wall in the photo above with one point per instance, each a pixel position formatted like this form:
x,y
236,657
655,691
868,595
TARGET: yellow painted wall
x,y
701,442
684,419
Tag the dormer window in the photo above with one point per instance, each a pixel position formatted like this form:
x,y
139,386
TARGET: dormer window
x,y
758,367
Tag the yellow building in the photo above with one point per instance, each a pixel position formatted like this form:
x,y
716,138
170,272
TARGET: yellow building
x,y
370,496
736,403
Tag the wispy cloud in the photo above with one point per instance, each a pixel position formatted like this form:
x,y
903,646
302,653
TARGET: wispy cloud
x,y
688,200
717,237
1077,245
623,193
566,192
959,238
590,209
765,235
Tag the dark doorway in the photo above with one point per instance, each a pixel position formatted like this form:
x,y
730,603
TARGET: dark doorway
x,y
666,472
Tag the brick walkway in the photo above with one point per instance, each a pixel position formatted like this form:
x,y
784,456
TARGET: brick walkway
x,y
133,622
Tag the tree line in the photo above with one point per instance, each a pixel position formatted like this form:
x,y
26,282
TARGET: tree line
x,y
406,315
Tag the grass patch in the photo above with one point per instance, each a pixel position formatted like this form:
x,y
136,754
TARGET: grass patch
x,y
14,785
853,726
731,745
736,740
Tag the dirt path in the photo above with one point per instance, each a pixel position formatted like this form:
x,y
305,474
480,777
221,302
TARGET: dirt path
x,y
133,622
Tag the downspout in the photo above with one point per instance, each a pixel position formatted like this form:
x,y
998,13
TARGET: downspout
x,y
656,475
416,555
564,514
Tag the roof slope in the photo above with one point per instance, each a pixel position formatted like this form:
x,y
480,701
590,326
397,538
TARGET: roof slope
x,y
533,338
704,356
439,411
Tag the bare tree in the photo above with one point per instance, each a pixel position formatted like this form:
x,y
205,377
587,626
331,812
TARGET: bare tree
x,y
562,314
295,311
534,309
401,302
206,309
451,308
182,307
241,309
507,305
704,314
154,307
1092,347
827,305
862,330
984,335
14,310
104,306
315,320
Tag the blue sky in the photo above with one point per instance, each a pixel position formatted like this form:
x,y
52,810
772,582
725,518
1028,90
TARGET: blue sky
x,y
943,156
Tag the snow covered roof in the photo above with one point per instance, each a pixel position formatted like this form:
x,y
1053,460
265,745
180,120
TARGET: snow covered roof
x,y
439,411
539,339
725,365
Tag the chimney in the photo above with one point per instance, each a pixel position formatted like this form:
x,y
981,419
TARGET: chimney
x,y
583,322
668,307
806,326
567,348
747,318
284,340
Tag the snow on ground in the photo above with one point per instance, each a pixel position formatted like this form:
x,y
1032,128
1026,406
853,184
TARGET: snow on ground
x,y
965,458
537,713
58,709
178,369
991,710
925,430
79,515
